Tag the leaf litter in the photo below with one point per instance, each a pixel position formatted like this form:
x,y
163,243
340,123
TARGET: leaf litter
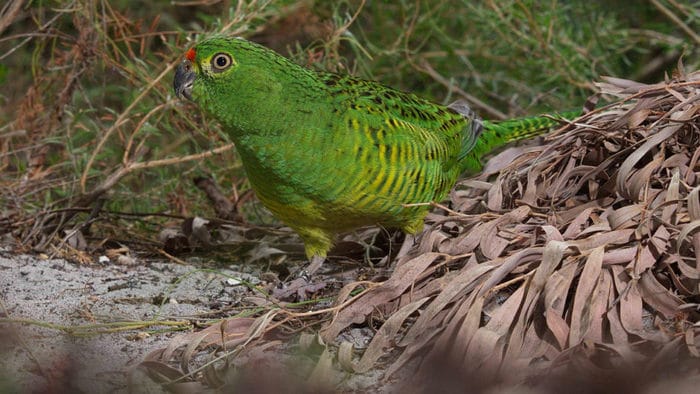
x,y
582,252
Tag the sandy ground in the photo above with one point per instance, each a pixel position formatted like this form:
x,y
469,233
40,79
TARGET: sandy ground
x,y
55,291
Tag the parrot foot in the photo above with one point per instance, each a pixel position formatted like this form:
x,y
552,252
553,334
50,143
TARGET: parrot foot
x,y
302,286
298,289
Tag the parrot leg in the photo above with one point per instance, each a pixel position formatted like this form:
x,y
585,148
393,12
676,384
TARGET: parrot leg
x,y
316,263
302,285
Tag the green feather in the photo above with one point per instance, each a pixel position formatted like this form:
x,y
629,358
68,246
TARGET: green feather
x,y
329,153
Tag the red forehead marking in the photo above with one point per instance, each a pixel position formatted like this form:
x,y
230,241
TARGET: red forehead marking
x,y
190,54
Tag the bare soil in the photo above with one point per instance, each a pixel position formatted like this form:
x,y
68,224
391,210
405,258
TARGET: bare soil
x,y
53,291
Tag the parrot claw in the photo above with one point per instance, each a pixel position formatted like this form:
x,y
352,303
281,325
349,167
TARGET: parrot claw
x,y
298,289
301,287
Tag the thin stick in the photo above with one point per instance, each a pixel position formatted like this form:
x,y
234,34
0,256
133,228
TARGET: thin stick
x,y
121,120
675,19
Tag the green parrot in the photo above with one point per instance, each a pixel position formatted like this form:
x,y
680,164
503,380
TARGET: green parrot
x,y
328,153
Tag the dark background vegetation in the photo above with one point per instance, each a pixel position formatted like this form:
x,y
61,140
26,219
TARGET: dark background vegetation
x,y
87,113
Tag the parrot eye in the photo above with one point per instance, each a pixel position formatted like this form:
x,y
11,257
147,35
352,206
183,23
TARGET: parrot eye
x,y
221,61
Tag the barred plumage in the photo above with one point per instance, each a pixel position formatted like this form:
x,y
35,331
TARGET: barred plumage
x,y
328,153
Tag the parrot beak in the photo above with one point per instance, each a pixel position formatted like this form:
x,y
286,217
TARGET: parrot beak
x,y
184,77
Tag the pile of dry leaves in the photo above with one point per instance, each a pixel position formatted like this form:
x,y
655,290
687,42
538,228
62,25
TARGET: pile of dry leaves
x,y
583,251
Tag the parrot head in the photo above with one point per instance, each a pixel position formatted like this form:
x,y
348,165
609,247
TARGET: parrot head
x,y
211,63
236,81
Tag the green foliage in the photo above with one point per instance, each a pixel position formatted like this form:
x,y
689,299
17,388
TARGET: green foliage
x,y
87,86
519,56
